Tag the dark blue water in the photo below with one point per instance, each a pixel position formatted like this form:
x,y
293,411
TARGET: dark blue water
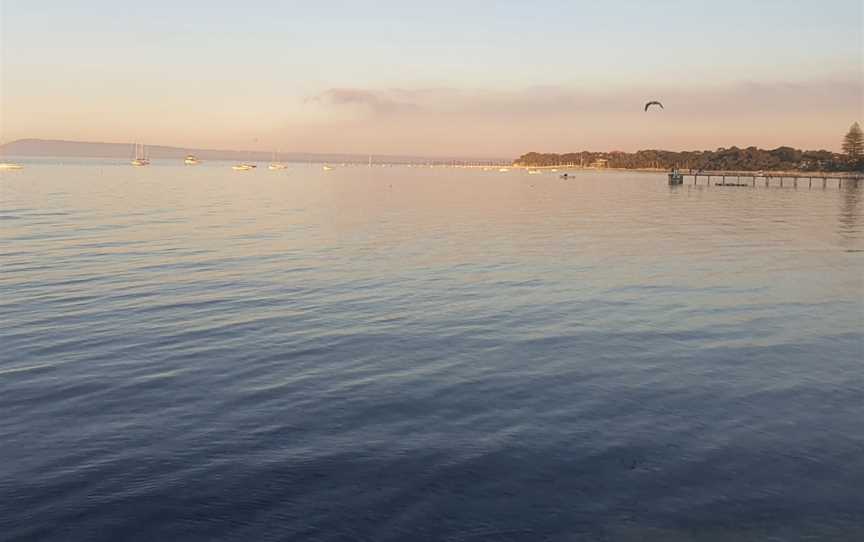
x,y
426,354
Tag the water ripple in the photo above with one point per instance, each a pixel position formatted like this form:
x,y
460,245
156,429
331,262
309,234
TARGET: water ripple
x,y
427,354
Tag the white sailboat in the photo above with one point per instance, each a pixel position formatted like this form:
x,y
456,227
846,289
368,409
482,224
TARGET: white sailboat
x,y
139,154
276,164
191,160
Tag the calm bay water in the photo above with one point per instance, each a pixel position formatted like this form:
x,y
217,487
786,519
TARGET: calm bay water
x,y
192,353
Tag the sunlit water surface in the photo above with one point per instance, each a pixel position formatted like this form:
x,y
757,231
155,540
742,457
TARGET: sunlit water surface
x,y
193,353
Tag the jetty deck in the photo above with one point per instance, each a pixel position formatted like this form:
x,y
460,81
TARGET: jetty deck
x,y
767,178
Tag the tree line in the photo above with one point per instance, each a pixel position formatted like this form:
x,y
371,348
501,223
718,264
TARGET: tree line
x,y
730,159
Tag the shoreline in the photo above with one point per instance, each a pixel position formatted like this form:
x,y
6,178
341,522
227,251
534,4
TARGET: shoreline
x,y
712,172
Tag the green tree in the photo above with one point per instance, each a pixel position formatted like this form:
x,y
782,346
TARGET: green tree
x,y
853,143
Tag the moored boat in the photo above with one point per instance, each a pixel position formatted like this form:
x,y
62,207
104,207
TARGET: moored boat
x,y
276,164
140,156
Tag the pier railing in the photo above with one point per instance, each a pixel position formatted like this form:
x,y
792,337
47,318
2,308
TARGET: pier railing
x,y
768,178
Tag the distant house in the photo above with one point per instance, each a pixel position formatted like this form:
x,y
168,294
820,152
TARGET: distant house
x,y
599,163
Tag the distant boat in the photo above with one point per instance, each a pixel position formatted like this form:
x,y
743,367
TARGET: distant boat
x,y
534,172
140,156
504,170
276,164
10,165
325,167
191,160
247,165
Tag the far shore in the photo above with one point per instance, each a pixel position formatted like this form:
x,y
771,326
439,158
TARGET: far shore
x,y
728,173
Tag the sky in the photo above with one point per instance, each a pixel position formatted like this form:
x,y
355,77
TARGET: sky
x,y
445,78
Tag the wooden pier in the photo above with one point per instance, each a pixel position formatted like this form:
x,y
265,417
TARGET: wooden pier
x,y
752,179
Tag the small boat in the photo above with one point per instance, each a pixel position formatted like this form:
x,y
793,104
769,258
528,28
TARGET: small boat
x,y
247,165
504,170
140,156
9,166
325,167
534,172
191,160
676,177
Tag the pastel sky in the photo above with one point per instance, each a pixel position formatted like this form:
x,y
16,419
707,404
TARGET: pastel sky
x,y
470,78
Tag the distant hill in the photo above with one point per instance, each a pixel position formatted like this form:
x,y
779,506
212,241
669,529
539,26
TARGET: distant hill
x,y
89,149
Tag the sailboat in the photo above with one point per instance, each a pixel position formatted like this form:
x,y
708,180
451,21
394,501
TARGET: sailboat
x,y
140,155
276,164
191,160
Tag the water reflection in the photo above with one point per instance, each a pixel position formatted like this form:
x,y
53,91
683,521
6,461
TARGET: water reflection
x,y
849,215
196,353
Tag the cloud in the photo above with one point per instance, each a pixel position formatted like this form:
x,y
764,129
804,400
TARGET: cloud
x,y
745,98
805,113
376,102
